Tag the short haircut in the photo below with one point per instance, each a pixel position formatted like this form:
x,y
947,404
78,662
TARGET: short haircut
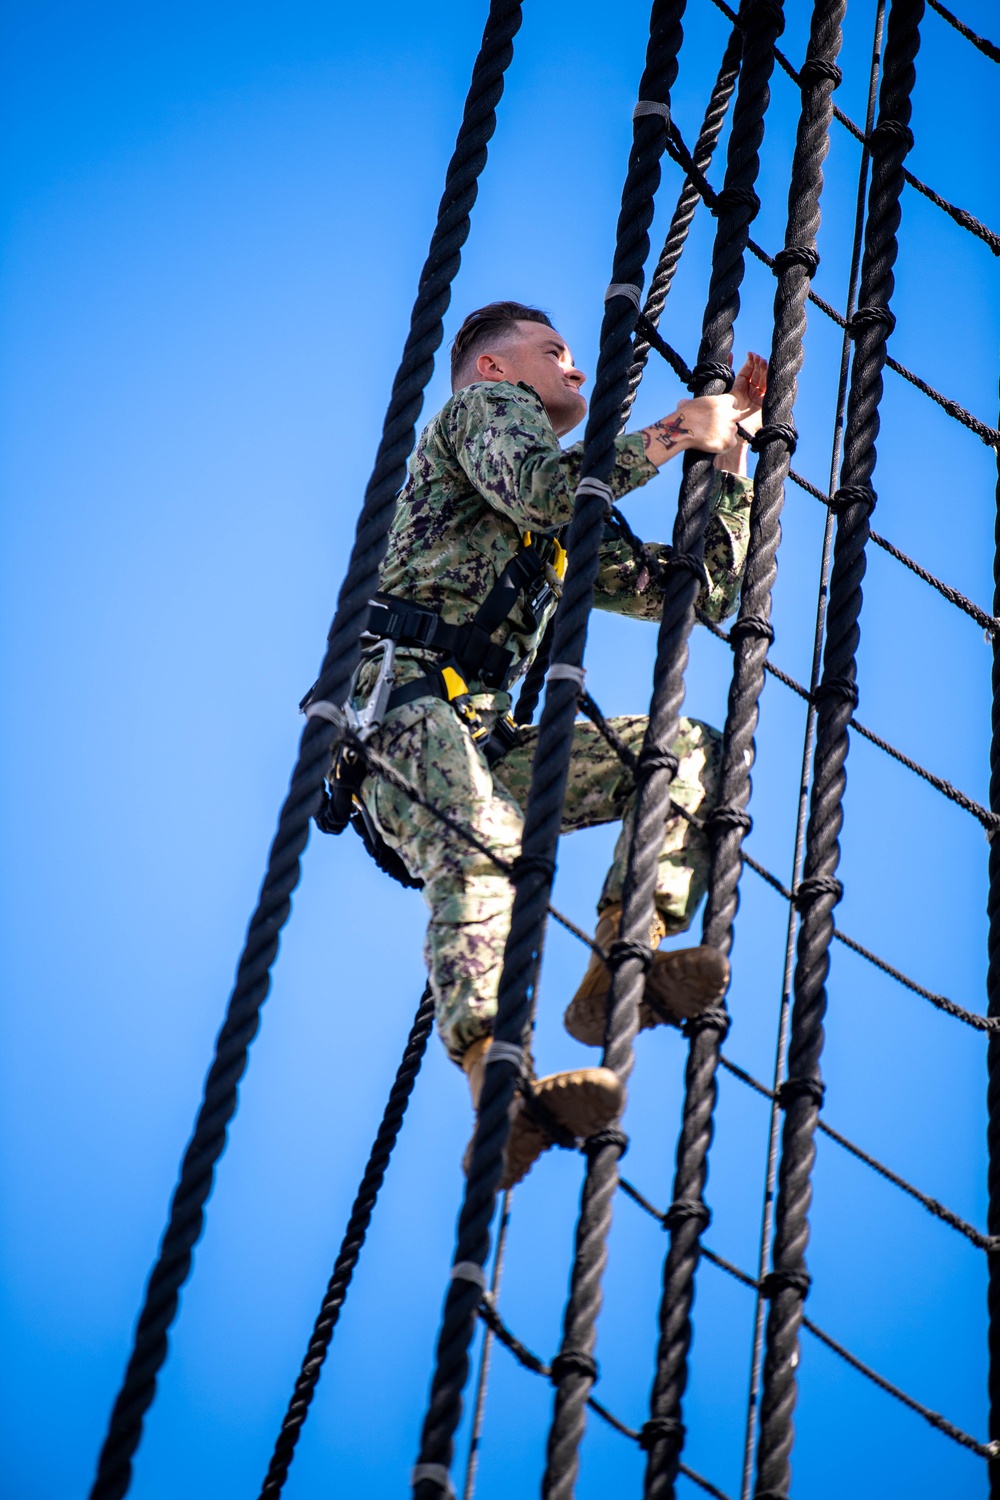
x,y
489,327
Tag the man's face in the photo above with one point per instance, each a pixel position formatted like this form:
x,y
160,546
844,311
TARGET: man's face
x,y
541,358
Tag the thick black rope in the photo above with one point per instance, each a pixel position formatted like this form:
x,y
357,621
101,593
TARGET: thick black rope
x,y
737,206
219,1101
683,215
961,216
536,863
988,49
983,815
750,636
990,436
350,1249
954,596
941,1002
932,1205
993,1050
933,1418
487,1311
819,889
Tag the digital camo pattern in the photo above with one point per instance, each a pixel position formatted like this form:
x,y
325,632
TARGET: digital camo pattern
x,y
469,898
488,468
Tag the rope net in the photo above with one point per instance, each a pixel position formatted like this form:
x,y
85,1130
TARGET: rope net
x,y
630,334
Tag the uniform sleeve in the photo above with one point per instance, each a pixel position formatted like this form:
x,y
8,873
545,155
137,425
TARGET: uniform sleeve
x,y
626,587
505,444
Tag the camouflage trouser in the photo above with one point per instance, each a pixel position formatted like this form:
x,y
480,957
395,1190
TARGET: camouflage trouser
x,y
469,898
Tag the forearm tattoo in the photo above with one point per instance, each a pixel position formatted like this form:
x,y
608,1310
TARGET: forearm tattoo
x,y
667,431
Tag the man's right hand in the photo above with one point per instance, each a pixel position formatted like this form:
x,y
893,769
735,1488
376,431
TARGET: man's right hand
x,y
707,423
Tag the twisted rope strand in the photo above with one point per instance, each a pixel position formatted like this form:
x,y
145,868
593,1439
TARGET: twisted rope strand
x,y
990,436
961,216
350,1249
573,1368
186,1216
993,1050
819,890
683,215
736,208
988,49
546,795
487,1311
932,1205
933,1418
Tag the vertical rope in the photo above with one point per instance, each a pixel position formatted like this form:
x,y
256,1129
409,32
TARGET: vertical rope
x,y
802,800
683,214
350,1250
253,978
993,1050
663,1433
819,890
482,1380
535,867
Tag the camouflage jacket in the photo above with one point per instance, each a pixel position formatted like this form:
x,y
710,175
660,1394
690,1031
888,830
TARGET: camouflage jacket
x,y
488,468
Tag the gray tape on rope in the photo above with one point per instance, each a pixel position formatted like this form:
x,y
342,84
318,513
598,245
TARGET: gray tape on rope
x,y
436,1473
591,486
505,1052
651,107
625,289
467,1270
560,669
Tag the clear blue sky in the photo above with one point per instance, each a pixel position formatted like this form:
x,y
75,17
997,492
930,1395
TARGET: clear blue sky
x,y
214,220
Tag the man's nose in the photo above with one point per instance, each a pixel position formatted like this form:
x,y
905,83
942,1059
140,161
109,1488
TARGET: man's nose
x,y
577,376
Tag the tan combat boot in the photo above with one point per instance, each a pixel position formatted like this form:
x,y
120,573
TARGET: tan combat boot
x,y
581,1102
680,984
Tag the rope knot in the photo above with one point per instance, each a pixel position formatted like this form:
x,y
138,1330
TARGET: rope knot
x,y
816,68
888,133
801,1088
790,1281
776,432
711,369
871,317
622,949
732,198
805,256
750,625
573,1362
532,864
844,688
853,494
687,563
813,887
652,760
661,1429
612,1136
716,1019
686,1211
729,817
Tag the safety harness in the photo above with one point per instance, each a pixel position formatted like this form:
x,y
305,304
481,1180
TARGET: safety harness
x,y
464,652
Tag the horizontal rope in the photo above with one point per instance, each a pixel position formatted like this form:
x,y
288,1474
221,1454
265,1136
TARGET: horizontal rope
x,y
986,622
933,1418
529,1361
990,821
932,1205
960,216
680,153
988,49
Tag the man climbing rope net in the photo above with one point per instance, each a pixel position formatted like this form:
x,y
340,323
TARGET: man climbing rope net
x,y
470,580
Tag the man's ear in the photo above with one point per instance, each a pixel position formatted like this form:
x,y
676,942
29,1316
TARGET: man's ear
x,y
489,369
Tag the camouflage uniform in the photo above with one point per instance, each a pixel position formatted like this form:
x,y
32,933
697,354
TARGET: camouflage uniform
x,y
487,469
